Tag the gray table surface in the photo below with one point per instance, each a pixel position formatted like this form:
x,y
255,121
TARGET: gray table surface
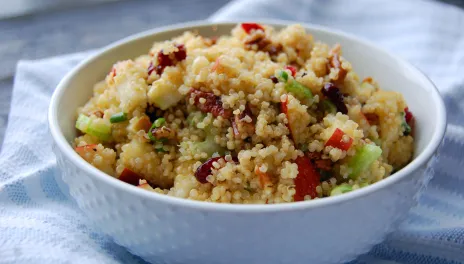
x,y
56,32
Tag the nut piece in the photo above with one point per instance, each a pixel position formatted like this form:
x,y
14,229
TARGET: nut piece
x,y
163,132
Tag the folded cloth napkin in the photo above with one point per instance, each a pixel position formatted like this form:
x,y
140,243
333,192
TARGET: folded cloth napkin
x,y
40,224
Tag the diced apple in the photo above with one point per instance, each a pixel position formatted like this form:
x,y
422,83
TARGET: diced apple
x,y
164,94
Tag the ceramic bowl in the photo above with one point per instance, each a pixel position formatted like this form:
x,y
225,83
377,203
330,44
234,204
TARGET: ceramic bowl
x,y
164,229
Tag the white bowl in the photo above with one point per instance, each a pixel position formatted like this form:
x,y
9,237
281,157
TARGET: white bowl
x,y
165,229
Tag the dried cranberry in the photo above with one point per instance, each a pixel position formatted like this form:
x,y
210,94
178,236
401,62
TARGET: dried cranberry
x,y
181,54
333,93
246,112
274,79
291,69
164,60
151,68
205,169
323,164
248,27
213,104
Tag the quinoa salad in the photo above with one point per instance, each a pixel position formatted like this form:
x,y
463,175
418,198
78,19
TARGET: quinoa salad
x,y
257,116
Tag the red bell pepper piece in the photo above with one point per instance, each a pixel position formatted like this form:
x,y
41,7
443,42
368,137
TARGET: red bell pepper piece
x,y
292,69
248,27
307,179
408,115
130,177
82,149
284,109
336,140
264,178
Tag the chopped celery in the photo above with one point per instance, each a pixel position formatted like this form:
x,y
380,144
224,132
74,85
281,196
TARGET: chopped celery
x,y
363,158
195,117
209,145
98,127
83,123
329,107
292,86
298,89
342,188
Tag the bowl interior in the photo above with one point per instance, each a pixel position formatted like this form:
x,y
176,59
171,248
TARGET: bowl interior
x,y
390,72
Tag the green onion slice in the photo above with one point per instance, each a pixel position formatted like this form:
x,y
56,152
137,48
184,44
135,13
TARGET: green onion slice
x,y
158,123
118,117
282,76
292,86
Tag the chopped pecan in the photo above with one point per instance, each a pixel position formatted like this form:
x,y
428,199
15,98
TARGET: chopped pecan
x,y
210,41
211,103
98,114
143,124
243,122
273,49
163,132
263,43
334,62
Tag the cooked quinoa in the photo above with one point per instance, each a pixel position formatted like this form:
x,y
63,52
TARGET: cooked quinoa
x,y
258,116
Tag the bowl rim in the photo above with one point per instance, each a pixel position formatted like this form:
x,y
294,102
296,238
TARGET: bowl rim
x,y
66,149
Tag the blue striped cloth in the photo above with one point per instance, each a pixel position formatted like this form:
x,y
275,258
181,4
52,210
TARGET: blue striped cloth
x,y
40,224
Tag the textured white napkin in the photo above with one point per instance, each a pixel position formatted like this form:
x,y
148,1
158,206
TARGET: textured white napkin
x,y
39,224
